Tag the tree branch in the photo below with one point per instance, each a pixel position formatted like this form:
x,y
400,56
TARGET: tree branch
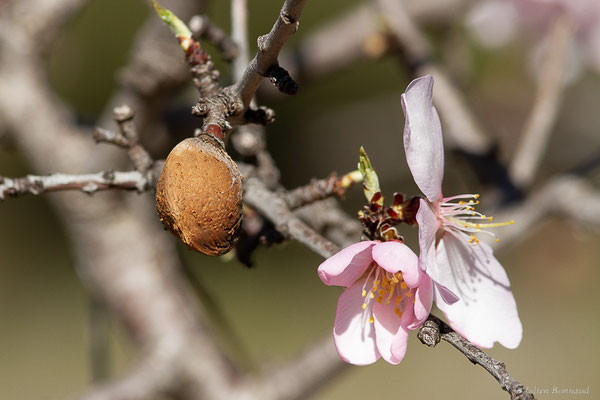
x,y
541,120
275,209
87,183
435,329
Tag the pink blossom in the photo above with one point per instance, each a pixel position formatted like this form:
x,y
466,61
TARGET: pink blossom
x,y
386,295
470,285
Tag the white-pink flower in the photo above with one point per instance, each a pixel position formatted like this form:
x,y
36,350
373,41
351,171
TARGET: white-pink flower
x,y
470,285
386,295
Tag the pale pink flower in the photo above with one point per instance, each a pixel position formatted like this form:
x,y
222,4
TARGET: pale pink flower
x,y
470,285
386,295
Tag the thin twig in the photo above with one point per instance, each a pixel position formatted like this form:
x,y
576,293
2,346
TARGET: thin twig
x,y
320,189
269,47
87,183
275,209
435,329
541,120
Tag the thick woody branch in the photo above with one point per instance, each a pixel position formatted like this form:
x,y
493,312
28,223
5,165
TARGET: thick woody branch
x,y
435,329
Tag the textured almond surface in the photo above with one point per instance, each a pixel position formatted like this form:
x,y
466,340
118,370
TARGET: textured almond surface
x,y
199,196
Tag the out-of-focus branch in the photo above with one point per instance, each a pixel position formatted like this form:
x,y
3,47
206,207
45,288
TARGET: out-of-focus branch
x,y
300,377
203,28
435,329
541,120
567,196
463,129
341,41
147,378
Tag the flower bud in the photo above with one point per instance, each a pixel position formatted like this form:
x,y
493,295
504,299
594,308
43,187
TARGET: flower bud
x,y
199,195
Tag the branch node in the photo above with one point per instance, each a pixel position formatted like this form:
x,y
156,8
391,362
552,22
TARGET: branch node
x,y
123,113
288,19
261,115
261,42
429,333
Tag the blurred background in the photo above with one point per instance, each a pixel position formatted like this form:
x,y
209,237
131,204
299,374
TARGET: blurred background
x,y
279,306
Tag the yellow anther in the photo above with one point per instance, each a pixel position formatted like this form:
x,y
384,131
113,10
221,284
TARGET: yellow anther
x,y
372,295
371,320
490,218
385,284
476,196
409,294
497,240
364,293
403,285
379,299
364,306
461,202
380,292
398,300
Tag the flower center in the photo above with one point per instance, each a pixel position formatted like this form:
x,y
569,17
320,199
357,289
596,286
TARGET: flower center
x,y
458,212
386,288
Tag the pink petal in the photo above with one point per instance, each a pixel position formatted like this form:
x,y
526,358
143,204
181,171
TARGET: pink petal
x,y
486,311
353,334
347,265
428,227
423,301
400,342
423,137
395,256
387,325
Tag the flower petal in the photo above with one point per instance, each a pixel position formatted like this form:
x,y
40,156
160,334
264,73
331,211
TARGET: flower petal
x,y
423,137
428,227
487,311
387,325
400,342
423,301
353,334
347,265
396,256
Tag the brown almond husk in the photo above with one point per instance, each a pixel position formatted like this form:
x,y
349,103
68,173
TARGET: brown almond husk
x,y
199,195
